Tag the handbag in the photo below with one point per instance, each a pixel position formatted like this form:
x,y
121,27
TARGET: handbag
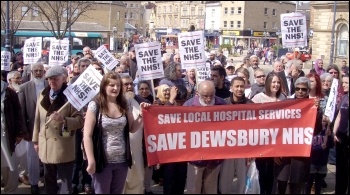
x,y
252,185
99,152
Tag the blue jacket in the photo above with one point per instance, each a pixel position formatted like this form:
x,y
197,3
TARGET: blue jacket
x,y
205,163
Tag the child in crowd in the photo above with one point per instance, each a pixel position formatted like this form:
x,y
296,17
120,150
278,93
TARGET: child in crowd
x,y
322,141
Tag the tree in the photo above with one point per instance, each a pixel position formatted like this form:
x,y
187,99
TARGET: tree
x,y
58,16
16,13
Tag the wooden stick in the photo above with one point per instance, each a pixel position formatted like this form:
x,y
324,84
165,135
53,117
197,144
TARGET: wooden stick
x,y
153,90
65,105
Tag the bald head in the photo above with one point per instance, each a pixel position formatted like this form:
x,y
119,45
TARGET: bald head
x,y
125,60
207,86
206,91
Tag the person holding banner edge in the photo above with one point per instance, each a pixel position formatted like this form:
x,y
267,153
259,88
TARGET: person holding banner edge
x,y
202,175
54,146
236,165
117,122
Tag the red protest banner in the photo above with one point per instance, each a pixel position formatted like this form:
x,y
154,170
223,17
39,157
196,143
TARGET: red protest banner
x,y
279,129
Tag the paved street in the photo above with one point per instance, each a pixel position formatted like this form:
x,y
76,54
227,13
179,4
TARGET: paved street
x,y
330,180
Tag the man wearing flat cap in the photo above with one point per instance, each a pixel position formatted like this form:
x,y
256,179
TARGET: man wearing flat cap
x,y
54,140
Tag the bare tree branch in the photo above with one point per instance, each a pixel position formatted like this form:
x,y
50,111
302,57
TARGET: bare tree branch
x,y
55,16
15,13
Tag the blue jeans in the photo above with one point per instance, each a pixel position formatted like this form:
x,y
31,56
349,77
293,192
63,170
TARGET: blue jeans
x,y
111,180
331,157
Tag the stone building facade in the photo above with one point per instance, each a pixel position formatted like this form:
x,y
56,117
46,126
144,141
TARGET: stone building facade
x,y
321,23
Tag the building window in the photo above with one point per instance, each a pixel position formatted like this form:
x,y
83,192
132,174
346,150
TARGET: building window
x,y
164,9
159,10
136,5
193,11
265,25
273,12
24,11
232,10
170,21
213,12
130,15
231,24
64,13
225,24
238,24
118,15
265,11
239,10
131,5
135,17
75,13
226,10
175,20
274,25
176,9
184,11
126,15
35,12
343,41
170,9
200,11
164,21
212,24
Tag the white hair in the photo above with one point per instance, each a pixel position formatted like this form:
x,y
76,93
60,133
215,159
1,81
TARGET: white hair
x,y
11,74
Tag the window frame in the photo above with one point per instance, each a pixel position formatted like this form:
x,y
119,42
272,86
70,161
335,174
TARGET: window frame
x,y
24,12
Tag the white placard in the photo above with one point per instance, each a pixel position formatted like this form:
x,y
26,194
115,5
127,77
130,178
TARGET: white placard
x,y
294,30
32,50
106,58
59,51
5,60
203,73
84,89
191,48
332,100
149,61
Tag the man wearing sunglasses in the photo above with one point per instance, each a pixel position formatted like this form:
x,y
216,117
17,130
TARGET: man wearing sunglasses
x,y
299,167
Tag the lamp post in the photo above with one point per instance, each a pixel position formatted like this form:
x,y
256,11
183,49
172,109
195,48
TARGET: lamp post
x,y
265,34
278,33
114,39
7,33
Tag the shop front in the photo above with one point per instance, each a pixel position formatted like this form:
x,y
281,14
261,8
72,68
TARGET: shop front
x,y
212,38
166,31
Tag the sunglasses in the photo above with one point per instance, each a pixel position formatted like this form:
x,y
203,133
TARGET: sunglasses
x,y
260,76
301,88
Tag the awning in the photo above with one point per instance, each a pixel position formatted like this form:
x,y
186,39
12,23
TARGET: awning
x,y
22,33
129,26
212,34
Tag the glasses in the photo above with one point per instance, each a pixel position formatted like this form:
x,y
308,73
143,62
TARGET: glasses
x,y
127,84
84,66
301,88
260,76
333,72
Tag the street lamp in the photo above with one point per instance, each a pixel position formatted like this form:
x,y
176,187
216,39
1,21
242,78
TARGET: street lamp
x,y
266,34
278,33
114,39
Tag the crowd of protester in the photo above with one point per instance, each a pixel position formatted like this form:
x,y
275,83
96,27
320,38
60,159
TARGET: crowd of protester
x,y
32,94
